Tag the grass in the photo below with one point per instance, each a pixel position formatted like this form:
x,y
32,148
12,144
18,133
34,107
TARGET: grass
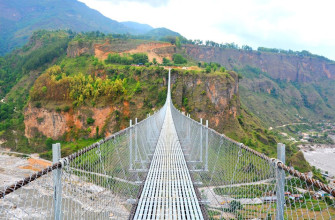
x,y
254,191
68,148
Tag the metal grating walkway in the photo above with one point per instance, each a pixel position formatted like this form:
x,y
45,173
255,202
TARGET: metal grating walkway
x,y
168,192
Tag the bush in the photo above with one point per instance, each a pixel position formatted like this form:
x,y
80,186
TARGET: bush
x,y
179,59
44,89
66,109
38,105
90,121
166,62
138,87
208,69
48,143
235,205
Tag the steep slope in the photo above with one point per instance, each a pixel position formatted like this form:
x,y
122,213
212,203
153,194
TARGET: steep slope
x,y
279,88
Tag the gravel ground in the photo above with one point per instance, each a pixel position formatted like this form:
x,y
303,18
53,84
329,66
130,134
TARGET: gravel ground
x,y
10,171
321,156
34,201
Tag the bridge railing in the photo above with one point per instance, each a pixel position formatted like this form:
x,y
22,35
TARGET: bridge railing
x,y
97,182
237,182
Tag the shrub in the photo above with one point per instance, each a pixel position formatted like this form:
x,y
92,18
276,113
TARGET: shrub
x,y
66,109
90,121
44,89
179,59
40,120
38,105
235,205
49,142
138,87
166,61
208,69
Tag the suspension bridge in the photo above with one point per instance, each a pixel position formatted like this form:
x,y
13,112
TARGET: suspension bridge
x,y
167,166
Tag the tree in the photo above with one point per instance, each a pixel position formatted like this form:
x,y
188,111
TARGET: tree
x,y
178,44
166,61
235,205
90,121
140,58
208,69
246,47
179,59
154,61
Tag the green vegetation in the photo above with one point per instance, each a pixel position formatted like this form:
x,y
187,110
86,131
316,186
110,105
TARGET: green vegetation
x,y
90,121
66,147
249,191
127,59
18,71
288,101
211,67
43,77
178,59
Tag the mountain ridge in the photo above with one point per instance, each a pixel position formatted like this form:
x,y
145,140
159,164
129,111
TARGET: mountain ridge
x,y
19,19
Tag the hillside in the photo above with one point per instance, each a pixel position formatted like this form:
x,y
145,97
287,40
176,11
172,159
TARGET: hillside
x,y
279,88
19,19
75,88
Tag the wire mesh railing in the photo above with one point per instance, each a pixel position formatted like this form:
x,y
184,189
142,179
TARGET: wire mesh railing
x,y
97,182
236,182
105,180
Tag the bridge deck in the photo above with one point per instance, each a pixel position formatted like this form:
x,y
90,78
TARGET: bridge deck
x,y
168,192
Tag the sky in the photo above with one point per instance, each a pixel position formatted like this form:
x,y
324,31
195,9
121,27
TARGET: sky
x,y
284,24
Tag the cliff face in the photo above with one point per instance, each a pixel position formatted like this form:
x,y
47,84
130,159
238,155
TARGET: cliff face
x,y
278,88
278,66
55,124
212,97
75,49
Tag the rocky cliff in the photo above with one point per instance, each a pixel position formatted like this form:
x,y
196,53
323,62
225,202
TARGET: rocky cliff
x,y
279,88
214,97
279,66
56,124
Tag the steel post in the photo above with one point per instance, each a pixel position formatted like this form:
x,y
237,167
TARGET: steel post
x,y
57,182
136,145
130,145
201,144
206,156
280,183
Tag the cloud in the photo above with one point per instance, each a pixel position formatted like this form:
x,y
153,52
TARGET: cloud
x,y
285,24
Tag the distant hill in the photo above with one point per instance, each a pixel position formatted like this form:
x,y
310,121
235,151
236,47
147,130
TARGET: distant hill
x,y
137,28
161,32
19,19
